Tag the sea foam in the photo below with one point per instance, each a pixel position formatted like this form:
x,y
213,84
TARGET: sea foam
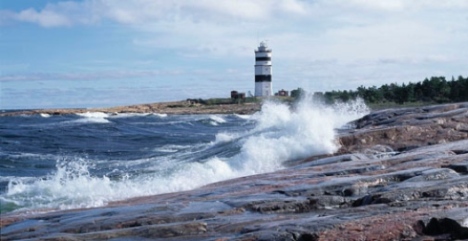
x,y
93,117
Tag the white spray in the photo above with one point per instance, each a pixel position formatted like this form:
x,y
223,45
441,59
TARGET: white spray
x,y
281,134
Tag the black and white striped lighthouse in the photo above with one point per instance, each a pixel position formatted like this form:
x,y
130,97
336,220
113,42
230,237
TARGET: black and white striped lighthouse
x,y
262,71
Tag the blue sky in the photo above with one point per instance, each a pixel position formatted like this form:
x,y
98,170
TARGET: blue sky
x,y
100,53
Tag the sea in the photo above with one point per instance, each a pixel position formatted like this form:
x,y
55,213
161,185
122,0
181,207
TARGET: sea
x,y
57,162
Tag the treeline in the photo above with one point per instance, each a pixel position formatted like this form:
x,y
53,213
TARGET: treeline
x,y
435,89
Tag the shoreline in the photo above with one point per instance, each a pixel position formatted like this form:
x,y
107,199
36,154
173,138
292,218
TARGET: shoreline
x,y
171,108
398,174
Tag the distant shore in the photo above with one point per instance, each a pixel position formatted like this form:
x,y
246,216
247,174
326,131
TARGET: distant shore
x,y
177,108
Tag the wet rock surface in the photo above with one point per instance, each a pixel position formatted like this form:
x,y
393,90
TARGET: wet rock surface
x,y
401,174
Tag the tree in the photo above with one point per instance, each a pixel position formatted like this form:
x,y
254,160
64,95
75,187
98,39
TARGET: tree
x,y
297,93
435,89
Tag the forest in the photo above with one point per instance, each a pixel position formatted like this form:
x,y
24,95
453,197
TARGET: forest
x,y
433,90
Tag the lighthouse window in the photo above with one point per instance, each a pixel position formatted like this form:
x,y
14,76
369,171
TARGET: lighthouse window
x,y
262,78
263,59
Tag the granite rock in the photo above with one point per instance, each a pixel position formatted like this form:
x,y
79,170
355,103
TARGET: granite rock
x,y
400,174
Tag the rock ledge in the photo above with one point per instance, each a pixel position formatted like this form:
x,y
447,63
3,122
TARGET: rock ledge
x,y
401,174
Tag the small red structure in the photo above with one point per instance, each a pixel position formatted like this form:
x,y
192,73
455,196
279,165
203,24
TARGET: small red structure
x,y
283,93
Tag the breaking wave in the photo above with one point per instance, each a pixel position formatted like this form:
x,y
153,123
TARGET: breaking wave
x,y
281,134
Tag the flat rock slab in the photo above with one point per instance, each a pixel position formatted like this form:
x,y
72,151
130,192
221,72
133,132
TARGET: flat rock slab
x,y
400,175
174,108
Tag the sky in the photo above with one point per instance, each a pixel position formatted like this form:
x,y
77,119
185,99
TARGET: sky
x,y
103,53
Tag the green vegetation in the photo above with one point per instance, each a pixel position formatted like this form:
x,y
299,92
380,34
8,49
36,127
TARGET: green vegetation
x,y
433,90
429,91
218,101
297,93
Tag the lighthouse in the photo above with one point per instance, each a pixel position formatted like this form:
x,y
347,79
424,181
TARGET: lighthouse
x,y
262,71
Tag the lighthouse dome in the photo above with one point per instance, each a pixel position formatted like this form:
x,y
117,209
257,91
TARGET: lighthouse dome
x,y
263,46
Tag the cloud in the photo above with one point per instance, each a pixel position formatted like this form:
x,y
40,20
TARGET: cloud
x,y
71,76
397,5
342,28
386,5
44,18
132,12
60,14
148,12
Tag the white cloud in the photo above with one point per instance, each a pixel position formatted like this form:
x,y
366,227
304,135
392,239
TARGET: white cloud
x,y
387,5
44,18
436,4
143,11
342,28
92,76
397,5
67,13
321,29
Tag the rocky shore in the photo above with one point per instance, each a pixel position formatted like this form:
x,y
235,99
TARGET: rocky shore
x,y
401,174
177,107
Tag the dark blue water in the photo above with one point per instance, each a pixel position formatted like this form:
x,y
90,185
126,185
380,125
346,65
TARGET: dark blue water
x,y
70,161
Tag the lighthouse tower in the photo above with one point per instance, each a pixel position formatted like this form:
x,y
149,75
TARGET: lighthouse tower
x,y
262,71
